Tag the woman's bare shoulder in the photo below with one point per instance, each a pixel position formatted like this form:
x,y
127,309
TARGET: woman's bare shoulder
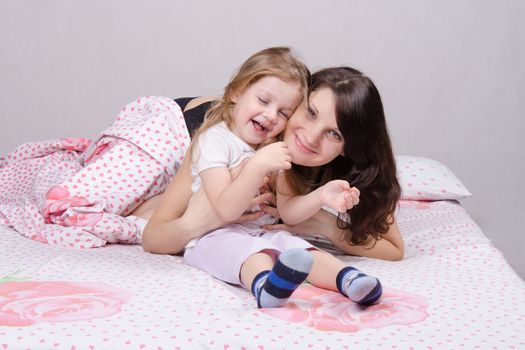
x,y
197,101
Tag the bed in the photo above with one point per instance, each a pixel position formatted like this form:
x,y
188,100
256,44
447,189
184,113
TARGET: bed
x,y
453,289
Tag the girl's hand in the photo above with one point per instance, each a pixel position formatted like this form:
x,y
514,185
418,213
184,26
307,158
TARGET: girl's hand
x,y
272,157
268,206
338,194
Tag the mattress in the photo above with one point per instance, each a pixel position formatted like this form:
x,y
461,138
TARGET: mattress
x,y
453,290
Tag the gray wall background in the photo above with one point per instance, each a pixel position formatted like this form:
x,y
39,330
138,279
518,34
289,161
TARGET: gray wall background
x,y
451,74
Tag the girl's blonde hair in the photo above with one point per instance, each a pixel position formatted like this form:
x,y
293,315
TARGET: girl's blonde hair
x,y
280,62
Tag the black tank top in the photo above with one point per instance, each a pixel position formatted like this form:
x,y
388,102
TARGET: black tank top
x,y
195,116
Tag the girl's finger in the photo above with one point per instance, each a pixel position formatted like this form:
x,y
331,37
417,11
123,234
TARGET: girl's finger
x,y
355,199
262,198
268,209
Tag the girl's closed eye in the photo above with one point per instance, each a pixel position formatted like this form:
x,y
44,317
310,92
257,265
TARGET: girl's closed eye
x,y
263,100
284,114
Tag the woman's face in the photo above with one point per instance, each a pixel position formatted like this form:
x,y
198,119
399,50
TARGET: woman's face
x,y
312,135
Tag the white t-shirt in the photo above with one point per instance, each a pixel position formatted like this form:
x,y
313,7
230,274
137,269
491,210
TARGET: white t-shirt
x,y
220,147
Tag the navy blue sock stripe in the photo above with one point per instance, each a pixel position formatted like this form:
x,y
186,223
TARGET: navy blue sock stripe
x,y
284,272
256,280
339,278
277,292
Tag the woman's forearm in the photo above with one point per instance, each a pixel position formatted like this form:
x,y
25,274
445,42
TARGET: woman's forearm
x,y
378,249
170,228
389,247
159,238
175,222
169,237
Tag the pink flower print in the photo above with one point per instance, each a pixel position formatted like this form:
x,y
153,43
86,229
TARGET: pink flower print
x,y
75,143
58,200
57,193
59,206
330,311
30,302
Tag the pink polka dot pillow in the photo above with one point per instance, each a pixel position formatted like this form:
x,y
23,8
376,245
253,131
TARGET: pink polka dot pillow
x,y
427,179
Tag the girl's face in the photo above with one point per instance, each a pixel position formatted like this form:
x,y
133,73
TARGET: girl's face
x,y
263,108
312,135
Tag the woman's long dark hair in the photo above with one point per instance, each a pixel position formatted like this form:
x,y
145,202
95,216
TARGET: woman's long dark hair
x,y
368,162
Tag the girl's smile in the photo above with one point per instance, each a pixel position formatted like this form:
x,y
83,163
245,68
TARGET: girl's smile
x,y
263,108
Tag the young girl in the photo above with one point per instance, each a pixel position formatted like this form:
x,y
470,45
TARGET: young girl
x,y
254,110
246,254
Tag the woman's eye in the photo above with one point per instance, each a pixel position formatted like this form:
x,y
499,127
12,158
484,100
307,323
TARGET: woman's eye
x,y
310,112
335,135
263,101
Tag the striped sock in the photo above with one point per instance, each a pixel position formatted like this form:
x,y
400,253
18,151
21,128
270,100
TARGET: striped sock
x,y
273,288
358,286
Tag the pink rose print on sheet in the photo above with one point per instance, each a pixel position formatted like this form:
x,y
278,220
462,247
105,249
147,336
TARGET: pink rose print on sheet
x,y
30,302
330,311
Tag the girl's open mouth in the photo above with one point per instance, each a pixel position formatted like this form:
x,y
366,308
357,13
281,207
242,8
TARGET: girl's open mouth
x,y
258,126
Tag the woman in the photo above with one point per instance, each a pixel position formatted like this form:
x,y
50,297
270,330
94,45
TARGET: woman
x,y
366,162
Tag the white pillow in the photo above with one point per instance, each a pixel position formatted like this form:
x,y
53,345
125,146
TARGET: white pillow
x,y
427,179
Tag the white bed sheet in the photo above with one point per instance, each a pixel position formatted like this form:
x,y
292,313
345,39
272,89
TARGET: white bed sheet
x,y
453,290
